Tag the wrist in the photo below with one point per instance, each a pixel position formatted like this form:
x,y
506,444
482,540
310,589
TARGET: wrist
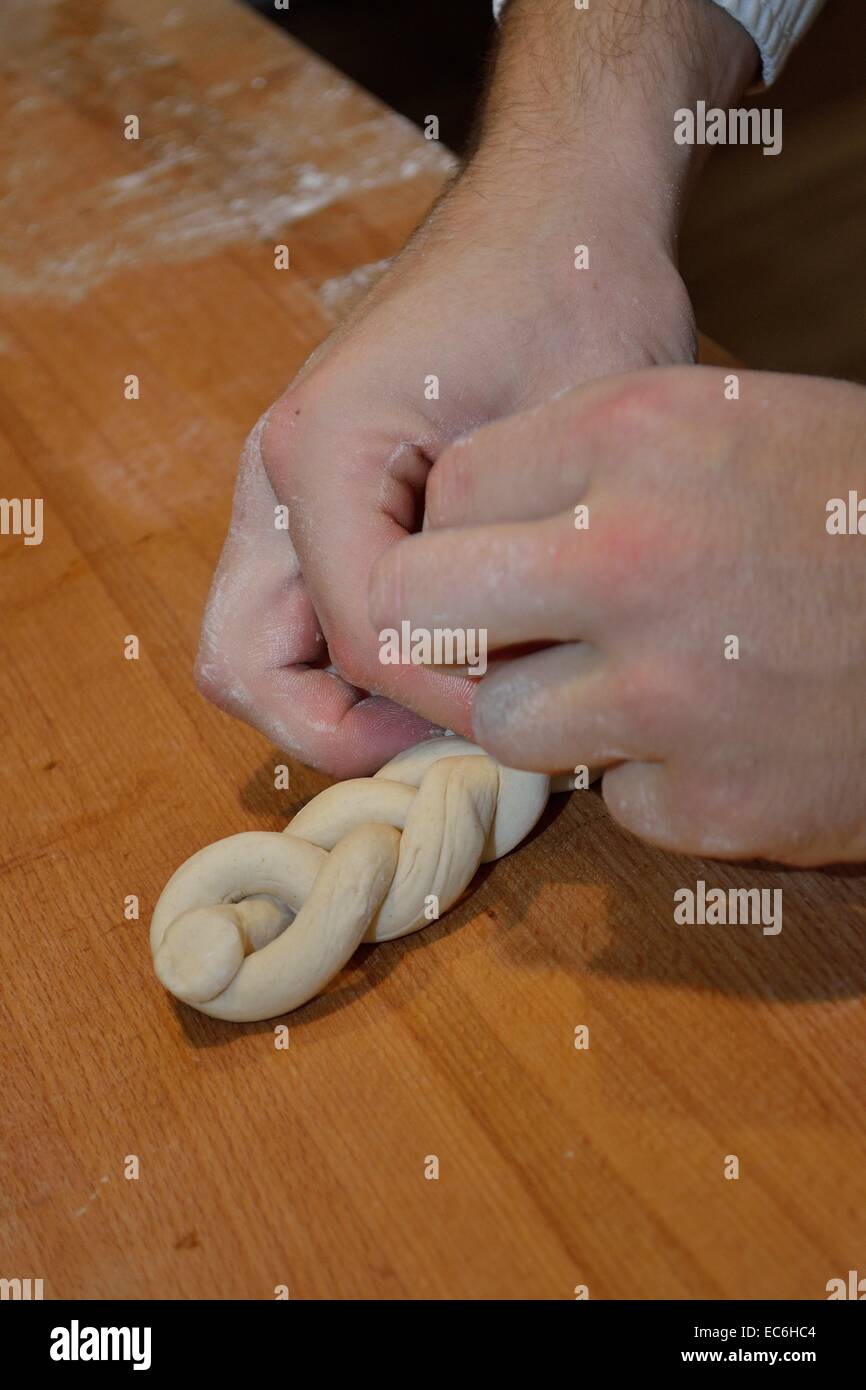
x,y
586,99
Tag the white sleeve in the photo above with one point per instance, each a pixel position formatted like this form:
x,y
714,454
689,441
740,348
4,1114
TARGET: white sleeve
x,y
775,25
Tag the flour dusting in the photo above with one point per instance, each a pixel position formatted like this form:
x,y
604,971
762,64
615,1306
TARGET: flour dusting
x,y
236,160
339,294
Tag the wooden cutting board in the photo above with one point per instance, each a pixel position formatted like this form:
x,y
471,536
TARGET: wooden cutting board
x,y
305,1167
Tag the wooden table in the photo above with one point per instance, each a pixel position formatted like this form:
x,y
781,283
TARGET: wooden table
x,y
305,1167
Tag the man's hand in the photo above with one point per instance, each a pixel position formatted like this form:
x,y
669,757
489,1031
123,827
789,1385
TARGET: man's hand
x,y
484,314
710,647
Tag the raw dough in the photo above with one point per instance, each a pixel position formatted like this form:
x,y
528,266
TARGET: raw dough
x,y
258,923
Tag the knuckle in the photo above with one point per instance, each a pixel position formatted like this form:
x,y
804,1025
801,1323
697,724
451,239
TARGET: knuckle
x,y
631,546
219,667
212,680
631,404
279,432
645,404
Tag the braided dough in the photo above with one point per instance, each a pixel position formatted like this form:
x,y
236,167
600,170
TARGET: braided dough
x,y
258,923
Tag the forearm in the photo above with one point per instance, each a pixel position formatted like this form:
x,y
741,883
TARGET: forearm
x,y
590,95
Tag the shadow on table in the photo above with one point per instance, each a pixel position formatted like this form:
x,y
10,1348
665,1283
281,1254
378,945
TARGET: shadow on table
x,y
601,904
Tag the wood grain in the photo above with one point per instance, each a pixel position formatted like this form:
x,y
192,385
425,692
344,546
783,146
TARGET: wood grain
x,y
305,1167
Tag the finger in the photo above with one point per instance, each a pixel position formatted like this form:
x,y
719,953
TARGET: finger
x,y
259,633
352,493
527,466
557,709
638,796
697,809
518,582
258,604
